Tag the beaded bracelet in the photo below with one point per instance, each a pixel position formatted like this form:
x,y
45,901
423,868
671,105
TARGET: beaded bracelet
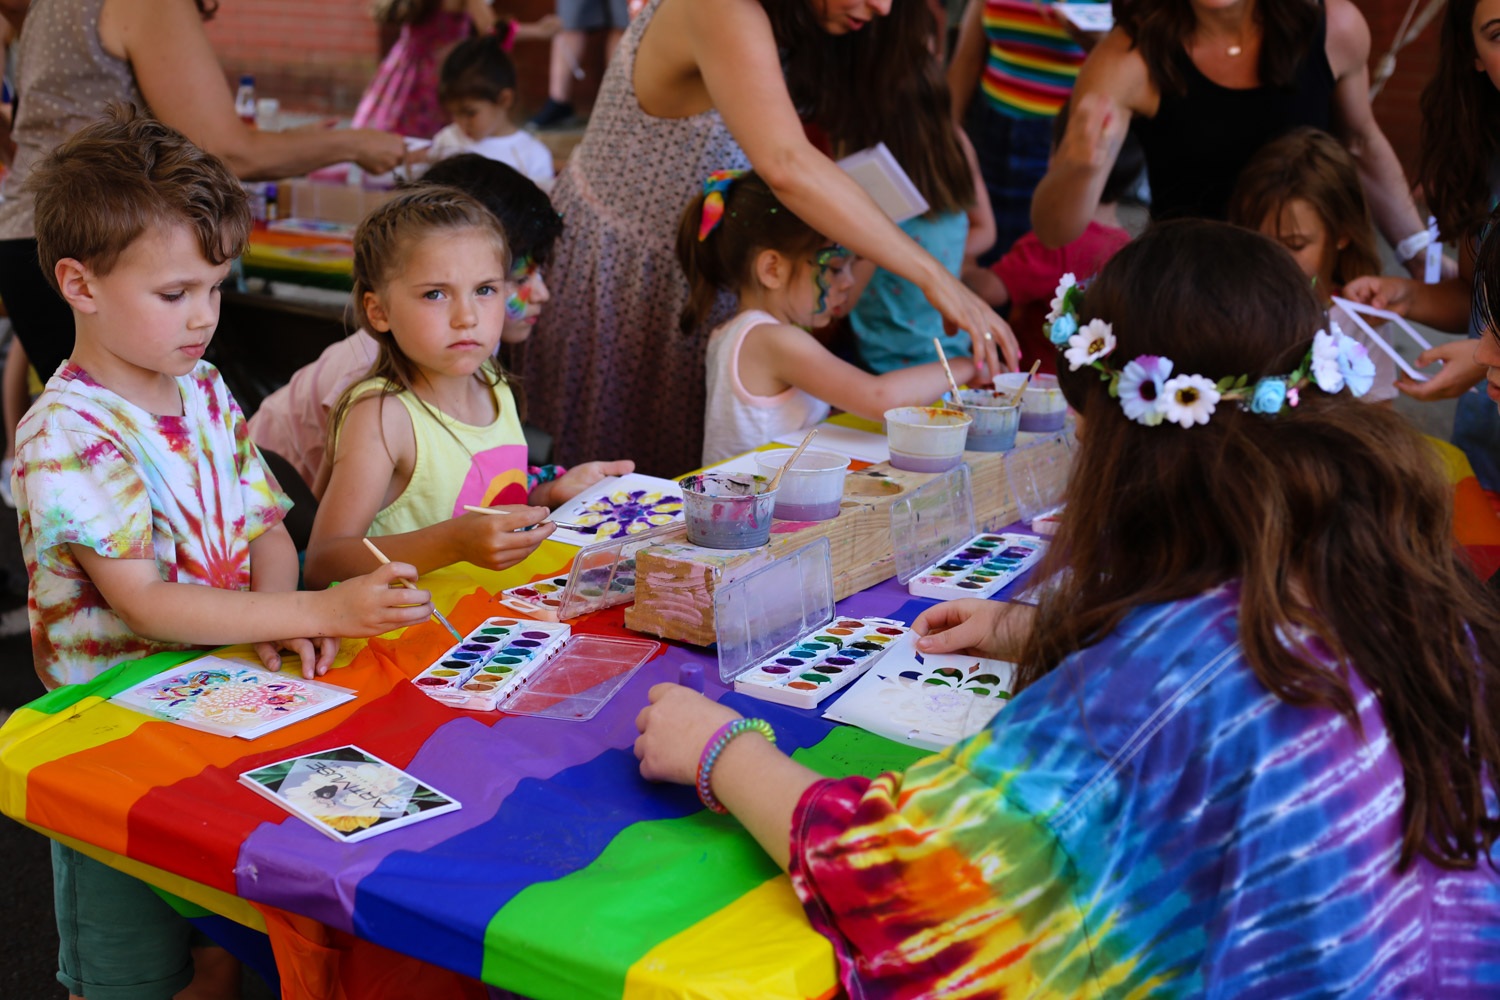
x,y
715,747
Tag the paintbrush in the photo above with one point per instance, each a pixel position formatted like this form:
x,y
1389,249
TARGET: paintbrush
x,y
776,479
1015,397
957,400
411,586
501,510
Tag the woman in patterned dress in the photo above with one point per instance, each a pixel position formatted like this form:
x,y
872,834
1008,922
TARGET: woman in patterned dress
x,y
1255,745
698,86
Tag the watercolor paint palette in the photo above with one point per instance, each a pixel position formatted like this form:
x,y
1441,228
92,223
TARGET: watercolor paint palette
x,y
826,660
602,576
492,663
540,599
980,567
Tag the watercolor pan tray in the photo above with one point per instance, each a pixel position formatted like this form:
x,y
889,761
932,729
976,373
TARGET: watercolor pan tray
x,y
826,660
980,567
492,663
602,576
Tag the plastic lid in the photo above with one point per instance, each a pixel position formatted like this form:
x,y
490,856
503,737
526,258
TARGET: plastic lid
x,y
603,573
758,613
932,520
1038,474
581,678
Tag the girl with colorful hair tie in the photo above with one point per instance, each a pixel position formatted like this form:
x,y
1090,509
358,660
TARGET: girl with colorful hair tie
x,y
1254,746
433,428
767,374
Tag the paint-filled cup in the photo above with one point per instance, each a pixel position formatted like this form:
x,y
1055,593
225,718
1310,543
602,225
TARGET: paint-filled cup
x,y
1043,407
996,419
812,489
728,511
926,438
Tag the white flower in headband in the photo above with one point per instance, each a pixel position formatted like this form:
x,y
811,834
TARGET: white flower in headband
x,y
1095,341
1059,302
1144,370
1188,400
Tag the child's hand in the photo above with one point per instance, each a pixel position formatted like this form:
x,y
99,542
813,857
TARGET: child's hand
x,y
498,541
316,654
675,728
973,627
1382,292
1459,374
373,604
581,477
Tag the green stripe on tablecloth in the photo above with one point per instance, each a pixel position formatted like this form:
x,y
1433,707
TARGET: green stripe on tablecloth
x,y
695,866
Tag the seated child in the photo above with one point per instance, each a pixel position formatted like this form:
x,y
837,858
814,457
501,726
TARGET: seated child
x,y
1026,275
293,420
477,88
1303,191
433,428
147,519
767,374
1254,747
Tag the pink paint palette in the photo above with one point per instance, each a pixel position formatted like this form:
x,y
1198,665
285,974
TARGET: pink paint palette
x,y
980,567
491,663
828,659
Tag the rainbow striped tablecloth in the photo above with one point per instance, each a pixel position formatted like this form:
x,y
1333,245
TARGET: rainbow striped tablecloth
x,y
564,874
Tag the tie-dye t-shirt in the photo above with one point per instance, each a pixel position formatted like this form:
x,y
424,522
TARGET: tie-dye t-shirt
x,y
95,470
1146,821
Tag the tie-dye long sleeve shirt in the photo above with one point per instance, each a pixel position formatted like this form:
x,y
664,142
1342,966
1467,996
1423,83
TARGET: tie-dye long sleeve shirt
x,y
1146,821
95,470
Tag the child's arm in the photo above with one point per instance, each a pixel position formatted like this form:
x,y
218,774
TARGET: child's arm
x,y
795,357
982,231
986,283
375,442
577,479
274,570
209,616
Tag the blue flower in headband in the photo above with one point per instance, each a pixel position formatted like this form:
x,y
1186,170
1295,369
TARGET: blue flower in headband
x,y
714,187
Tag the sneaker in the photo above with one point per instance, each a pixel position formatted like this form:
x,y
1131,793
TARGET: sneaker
x,y
553,115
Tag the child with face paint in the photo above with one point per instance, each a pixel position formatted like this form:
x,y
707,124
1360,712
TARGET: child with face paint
x,y
292,422
767,374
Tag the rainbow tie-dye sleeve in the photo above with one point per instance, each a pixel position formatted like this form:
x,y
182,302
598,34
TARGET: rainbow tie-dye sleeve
x,y
1148,820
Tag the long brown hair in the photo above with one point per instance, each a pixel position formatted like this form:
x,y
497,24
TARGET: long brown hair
x,y
1460,144
381,245
1160,29
1310,164
753,220
1333,517
850,85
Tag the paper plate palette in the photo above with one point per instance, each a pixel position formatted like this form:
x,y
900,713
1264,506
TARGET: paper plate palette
x,y
980,567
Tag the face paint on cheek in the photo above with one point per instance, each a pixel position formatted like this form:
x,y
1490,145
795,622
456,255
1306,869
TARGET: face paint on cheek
x,y
520,296
515,306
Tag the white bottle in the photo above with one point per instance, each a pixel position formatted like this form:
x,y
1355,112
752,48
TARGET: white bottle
x,y
244,100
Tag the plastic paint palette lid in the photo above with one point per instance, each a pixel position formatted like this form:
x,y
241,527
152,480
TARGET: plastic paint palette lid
x,y
582,677
931,521
759,613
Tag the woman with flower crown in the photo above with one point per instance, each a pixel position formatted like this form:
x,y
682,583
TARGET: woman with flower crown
x,y
1253,749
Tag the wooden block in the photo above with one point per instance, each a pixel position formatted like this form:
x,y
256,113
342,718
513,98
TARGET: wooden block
x,y
675,581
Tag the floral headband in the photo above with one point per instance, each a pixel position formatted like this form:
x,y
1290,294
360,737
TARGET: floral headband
x,y
1149,393
714,187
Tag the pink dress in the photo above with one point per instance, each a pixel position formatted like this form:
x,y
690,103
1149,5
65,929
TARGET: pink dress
x,y
403,96
607,372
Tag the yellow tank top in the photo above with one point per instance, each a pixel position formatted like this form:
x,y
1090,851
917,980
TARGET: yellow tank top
x,y
457,463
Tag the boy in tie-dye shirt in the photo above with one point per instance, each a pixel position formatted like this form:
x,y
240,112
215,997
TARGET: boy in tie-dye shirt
x,y
147,519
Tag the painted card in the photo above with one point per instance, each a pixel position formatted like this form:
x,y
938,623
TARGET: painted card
x,y
230,698
927,701
347,793
617,507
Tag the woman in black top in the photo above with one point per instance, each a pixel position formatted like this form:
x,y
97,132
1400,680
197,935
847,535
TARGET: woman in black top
x,y
1208,82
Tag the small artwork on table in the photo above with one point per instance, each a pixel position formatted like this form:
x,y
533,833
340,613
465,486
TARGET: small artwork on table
x,y
617,507
230,698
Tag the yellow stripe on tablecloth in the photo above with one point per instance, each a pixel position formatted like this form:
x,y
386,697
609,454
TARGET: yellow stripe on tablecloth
x,y
30,739
778,956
